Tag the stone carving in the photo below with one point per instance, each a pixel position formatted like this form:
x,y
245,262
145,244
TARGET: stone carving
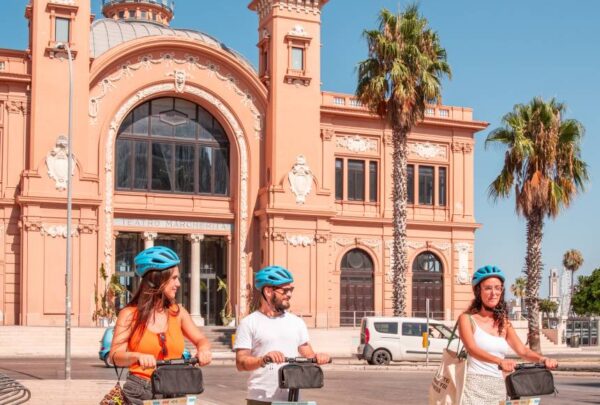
x,y
300,178
463,250
428,150
240,138
190,62
17,107
57,230
415,244
87,228
300,240
322,238
32,226
298,31
180,79
466,147
327,134
443,246
57,161
372,243
357,144
277,237
344,241
149,236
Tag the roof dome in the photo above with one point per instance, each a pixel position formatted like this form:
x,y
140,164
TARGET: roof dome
x,y
108,33
160,11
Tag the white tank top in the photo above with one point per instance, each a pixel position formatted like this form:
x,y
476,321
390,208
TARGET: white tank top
x,y
495,345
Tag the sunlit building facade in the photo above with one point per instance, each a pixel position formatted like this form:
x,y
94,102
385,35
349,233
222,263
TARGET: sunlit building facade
x,y
179,141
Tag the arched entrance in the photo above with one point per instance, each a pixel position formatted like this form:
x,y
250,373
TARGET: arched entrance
x,y
428,282
356,287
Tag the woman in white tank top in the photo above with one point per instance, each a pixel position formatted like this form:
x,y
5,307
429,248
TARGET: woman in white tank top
x,y
487,334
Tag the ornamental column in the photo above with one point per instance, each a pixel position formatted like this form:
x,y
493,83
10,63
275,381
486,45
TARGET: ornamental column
x,y
195,312
149,238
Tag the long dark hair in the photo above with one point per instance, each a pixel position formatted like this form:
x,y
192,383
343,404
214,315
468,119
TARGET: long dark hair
x,y
150,297
500,310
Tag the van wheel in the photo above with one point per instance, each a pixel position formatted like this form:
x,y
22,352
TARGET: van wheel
x,y
381,357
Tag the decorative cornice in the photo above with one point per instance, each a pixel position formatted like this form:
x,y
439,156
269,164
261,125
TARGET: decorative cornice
x,y
263,7
64,2
168,60
357,144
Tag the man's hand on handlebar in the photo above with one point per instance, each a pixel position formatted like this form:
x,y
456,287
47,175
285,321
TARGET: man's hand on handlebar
x,y
273,357
550,363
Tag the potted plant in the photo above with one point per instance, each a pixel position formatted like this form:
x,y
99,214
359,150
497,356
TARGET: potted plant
x,y
105,313
227,316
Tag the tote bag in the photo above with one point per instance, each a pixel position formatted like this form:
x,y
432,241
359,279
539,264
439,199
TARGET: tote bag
x,y
449,380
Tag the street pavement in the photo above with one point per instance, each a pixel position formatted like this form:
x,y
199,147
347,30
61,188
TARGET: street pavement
x,y
347,383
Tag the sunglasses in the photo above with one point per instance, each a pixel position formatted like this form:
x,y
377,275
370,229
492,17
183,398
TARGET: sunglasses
x,y
162,340
284,291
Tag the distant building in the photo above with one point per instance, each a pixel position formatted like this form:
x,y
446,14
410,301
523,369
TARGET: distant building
x,y
179,141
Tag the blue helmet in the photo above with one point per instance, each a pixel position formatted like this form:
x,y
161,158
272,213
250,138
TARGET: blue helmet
x,y
272,275
155,258
486,272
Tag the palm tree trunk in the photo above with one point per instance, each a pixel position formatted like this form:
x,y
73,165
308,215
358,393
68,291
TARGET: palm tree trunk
x,y
533,260
399,256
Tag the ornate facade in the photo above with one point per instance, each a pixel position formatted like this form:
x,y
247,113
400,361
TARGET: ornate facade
x,y
178,140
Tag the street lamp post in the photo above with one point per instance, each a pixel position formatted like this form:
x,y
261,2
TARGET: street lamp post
x,y
65,46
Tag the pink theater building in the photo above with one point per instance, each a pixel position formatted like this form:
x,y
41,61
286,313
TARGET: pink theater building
x,y
179,141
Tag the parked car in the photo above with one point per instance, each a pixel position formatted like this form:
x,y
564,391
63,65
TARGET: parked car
x,y
106,341
385,339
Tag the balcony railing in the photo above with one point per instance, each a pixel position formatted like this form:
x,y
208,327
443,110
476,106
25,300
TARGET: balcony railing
x,y
168,4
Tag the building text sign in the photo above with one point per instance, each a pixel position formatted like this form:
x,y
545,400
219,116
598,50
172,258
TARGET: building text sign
x,y
172,224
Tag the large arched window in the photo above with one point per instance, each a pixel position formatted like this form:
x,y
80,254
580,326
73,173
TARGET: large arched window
x,y
172,145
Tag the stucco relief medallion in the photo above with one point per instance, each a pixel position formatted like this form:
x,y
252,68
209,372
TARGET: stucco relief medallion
x,y
57,163
300,178
357,144
300,240
428,150
463,250
180,77
58,231
298,31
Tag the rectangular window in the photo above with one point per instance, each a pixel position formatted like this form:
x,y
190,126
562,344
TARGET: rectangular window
x,y
386,327
373,181
442,186
265,62
221,171
140,166
2,66
131,13
413,329
410,184
184,168
162,167
297,58
61,26
124,159
121,15
206,164
356,180
339,179
426,185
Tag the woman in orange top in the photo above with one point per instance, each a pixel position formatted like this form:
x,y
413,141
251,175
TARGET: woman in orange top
x,y
152,325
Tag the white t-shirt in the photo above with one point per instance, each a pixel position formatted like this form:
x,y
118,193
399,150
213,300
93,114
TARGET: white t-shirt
x,y
261,335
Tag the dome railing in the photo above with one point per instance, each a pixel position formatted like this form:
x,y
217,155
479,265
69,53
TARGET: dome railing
x,y
168,4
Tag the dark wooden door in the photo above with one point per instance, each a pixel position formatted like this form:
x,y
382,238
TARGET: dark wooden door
x,y
356,288
428,282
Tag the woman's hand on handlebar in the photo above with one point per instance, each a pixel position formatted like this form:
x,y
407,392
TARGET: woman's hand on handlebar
x,y
507,365
550,363
322,358
146,360
204,357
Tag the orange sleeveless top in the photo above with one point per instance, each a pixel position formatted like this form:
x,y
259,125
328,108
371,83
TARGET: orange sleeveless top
x,y
152,343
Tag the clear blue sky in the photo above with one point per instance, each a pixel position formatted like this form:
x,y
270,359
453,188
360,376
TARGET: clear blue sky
x,y
501,53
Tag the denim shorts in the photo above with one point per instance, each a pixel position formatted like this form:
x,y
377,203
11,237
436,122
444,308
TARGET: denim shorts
x,y
137,389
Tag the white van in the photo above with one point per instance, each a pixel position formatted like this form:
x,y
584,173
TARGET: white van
x,y
386,338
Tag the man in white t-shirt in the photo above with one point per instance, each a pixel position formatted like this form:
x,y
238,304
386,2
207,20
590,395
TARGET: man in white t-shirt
x,y
267,336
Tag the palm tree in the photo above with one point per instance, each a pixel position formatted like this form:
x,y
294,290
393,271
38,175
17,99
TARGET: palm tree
x,y
572,261
518,290
402,73
543,163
